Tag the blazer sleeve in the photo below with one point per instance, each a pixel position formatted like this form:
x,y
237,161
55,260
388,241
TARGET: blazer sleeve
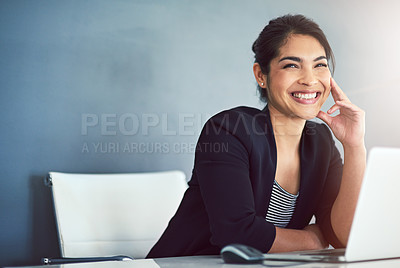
x,y
329,194
223,171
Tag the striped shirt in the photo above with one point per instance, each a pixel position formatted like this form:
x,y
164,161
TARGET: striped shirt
x,y
281,206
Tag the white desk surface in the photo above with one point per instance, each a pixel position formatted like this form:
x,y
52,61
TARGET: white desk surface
x,y
216,261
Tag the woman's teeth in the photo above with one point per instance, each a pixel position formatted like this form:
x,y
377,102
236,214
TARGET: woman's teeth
x,y
305,96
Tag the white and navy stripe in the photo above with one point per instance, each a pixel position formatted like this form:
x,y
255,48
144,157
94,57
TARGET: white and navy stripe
x,y
281,206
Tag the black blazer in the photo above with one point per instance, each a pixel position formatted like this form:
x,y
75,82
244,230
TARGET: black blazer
x,y
231,184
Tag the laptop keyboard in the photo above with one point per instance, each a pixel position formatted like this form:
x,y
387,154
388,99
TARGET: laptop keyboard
x,y
326,252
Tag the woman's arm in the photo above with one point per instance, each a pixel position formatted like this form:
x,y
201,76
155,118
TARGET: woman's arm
x,y
345,204
349,129
293,240
225,185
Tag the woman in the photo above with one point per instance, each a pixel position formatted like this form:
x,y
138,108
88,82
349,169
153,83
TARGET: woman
x,y
276,169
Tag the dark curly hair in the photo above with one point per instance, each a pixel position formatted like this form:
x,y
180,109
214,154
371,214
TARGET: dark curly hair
x,y
276,34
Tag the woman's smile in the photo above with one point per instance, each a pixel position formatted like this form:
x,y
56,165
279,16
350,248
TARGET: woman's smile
x,y
306,97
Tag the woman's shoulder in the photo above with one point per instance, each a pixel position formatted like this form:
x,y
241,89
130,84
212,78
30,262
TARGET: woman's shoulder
x,y
238,128
239,110
241,118
245,113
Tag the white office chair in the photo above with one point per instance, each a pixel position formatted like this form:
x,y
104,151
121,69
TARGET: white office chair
x,y
113,214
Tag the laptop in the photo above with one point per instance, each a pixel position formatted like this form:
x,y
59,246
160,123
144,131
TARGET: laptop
x,y
375,231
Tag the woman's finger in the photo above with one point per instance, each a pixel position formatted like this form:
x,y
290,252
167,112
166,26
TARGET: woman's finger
x,y
343,104
333,109
349,107
337,92
325,117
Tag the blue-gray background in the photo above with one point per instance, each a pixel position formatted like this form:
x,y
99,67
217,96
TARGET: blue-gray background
x,y
125,86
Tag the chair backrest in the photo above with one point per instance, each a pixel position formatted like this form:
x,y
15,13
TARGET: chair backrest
x,y
114,214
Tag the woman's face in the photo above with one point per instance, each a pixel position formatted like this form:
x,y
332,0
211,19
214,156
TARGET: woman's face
x,y
299,78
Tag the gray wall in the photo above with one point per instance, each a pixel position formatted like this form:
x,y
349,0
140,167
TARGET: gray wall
x,y
137,79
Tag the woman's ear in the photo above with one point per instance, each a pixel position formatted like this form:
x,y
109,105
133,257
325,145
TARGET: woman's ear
x,y
260,77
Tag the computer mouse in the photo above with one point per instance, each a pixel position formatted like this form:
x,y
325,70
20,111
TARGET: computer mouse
x,y
238,253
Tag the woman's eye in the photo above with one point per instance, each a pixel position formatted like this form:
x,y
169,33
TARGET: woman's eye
x,y
321,65
290,65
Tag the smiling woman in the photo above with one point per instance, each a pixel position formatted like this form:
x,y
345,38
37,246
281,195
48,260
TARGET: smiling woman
x,y
278,170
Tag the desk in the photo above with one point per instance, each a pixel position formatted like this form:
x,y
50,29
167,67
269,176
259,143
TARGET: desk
x,y
215,262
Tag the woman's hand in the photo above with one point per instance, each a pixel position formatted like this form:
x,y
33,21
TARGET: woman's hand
x,y
348,126
294,240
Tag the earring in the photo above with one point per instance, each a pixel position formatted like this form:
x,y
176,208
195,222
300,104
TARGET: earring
x,y
262,83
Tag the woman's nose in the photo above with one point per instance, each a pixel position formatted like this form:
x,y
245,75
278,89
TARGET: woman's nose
x,y
307,78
